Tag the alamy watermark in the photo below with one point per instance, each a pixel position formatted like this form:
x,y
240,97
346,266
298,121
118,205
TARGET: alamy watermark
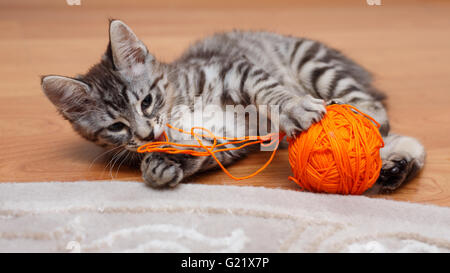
x,y
373,2
229,121
73,2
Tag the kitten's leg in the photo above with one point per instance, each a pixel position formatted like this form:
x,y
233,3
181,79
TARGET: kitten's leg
x,y
161,169
254,86
403,157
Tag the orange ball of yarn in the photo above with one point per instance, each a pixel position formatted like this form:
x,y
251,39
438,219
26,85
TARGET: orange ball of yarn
x,y
339,154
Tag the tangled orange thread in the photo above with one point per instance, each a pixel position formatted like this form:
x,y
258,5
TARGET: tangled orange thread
x,y
211,150
339,154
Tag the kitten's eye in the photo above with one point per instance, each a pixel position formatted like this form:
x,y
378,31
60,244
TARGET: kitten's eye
x,y
116,127
146,102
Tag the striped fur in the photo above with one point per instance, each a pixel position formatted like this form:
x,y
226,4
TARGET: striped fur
x,y
126,99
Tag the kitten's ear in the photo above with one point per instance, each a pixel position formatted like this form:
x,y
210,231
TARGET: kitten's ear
x,y
70,96
128,52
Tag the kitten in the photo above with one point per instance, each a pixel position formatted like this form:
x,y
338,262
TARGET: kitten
x,y
125,100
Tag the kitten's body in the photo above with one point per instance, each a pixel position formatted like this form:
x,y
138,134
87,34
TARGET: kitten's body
x,y
129,97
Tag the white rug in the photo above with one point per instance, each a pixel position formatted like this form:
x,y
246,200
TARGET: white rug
x,y
130,217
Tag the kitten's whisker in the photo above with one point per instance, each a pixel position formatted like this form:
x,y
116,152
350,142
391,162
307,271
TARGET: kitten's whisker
x,y
102,154
111,159
123,160
117,158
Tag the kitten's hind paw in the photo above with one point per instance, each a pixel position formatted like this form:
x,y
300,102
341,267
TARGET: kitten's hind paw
x,y
393,173
403,157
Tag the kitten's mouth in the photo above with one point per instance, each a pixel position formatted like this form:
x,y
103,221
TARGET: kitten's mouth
x,y
134,147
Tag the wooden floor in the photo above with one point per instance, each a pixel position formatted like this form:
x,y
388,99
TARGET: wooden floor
x,y
406,45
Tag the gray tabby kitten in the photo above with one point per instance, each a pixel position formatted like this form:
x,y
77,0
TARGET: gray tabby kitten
x,y
125,100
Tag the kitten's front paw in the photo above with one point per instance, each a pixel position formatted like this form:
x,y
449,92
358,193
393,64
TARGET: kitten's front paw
x,y
158,170
300,114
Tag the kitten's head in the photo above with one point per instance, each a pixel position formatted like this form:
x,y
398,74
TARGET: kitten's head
x,y
119,101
